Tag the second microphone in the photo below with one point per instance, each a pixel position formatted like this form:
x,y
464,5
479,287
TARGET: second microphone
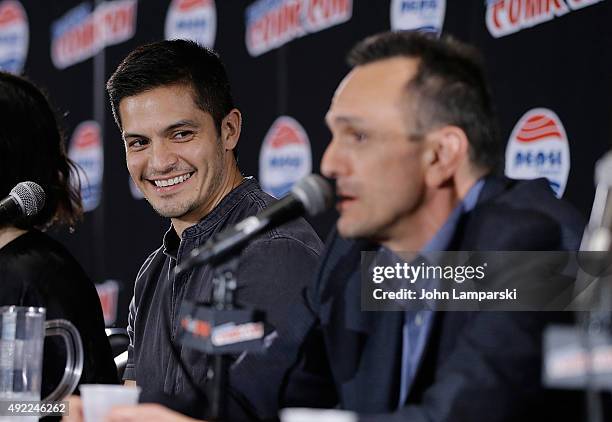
x,y
311,195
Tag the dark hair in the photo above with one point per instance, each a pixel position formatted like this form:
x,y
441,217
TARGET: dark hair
x,y
169,63
32,148
449,87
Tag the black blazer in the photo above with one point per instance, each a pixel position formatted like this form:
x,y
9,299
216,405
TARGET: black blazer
x,y
476,365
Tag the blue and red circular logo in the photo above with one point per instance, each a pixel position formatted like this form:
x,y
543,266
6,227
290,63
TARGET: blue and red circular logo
x,y
87,151
538,147
192,20
285,156
14,36
418,15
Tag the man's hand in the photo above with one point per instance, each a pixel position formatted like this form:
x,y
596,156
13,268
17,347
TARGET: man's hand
x,y
75,410
146,412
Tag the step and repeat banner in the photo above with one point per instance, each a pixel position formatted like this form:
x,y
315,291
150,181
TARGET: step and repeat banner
x,y
549,63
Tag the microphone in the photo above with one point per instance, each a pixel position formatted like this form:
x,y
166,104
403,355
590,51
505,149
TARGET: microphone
x,y
598,233
311,195
25,200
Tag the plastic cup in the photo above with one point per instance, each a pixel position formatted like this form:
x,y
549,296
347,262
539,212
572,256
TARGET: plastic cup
x,y
99,399
298,414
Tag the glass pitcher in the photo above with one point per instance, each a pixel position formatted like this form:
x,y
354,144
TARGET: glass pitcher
x,y
22,333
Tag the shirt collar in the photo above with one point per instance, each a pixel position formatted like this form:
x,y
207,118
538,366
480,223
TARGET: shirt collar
x,y
209,221
443,237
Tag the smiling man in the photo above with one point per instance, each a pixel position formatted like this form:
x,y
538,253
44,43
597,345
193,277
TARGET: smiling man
x,y
176,156
172,103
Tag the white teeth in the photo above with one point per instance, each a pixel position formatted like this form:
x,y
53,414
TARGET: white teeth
x,y
173,181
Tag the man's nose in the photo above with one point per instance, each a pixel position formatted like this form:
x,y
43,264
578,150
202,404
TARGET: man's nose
x,y
333,163
163,158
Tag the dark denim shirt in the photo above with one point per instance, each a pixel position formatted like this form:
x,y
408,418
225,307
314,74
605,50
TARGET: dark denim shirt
x,y
273,271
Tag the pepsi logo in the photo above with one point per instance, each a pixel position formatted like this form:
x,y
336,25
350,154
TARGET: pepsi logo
x,y
86,150
188,5
14,36
194,20
285,156
538,147
419,15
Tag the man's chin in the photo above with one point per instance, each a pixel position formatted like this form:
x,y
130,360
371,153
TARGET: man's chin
x,y
170,212
349,230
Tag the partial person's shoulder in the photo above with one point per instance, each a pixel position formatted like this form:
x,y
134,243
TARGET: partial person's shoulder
x,y
297,232
38,246
341,258
44,253
258,198
522,215
338,248
48,273
535,194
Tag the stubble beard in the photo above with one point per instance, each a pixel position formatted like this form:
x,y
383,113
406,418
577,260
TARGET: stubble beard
x,y
186,207
176,211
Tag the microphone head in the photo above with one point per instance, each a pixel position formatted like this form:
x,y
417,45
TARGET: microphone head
x,y
30,197
314,193
603,170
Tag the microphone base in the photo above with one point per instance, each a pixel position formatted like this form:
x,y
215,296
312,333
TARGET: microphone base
x,y
221,331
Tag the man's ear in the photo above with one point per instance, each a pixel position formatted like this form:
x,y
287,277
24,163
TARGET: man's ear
x,y
230,129
447,149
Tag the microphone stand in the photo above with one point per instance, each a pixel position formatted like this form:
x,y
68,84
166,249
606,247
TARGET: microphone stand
x,y
221,329
224,289
595,323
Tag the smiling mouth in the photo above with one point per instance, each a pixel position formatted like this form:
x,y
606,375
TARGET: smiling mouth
x,y
172,181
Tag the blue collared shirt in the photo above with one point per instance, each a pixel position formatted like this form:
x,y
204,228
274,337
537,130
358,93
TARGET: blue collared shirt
x,y
418,324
